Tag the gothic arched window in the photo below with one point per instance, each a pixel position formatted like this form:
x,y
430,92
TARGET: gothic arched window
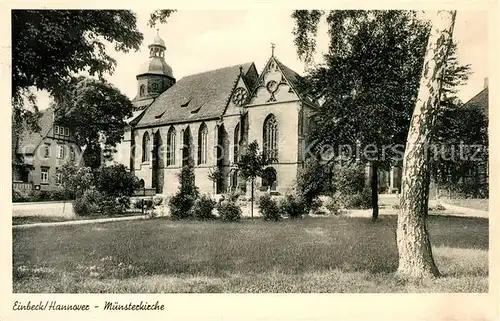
x,y
236,143
142,90
145,147
171,146
270,138
202,144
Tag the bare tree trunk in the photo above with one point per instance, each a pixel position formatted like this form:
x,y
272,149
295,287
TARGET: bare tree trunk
x,y
414,247
374,188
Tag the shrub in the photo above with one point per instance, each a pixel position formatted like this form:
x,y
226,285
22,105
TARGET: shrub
x,y
293,206
180,205
269,208
229,211
333,206
89,202
182,202
116,180
311,181
203,207
360,200
348,179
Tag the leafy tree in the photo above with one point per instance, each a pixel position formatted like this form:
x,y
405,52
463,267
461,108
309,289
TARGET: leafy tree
x,y
116,180
251,165
97,112
49,47
312,180
160,16
414,247
369,82
76,180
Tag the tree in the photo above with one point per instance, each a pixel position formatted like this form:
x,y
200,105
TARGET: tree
x,y
160,16
116,181
312,180
183,201
251,165
49,47
97,111
414,247
369,83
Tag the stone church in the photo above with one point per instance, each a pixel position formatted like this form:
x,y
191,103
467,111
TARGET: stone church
x,y
209,117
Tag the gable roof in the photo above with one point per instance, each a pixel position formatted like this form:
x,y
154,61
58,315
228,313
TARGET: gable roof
x,y
291,77
200,96
29,140
479,101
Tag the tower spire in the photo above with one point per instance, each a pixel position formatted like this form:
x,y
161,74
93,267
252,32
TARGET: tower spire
x,y
272,49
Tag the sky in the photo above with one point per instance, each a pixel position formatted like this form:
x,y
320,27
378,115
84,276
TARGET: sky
x,y
198,41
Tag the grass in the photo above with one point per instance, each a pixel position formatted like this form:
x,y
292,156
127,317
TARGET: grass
x,y
309,255
474,203
31,219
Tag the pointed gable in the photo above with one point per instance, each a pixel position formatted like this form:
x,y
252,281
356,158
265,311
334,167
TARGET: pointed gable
x,y
195,97
277,83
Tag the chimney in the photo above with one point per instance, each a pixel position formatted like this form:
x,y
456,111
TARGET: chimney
x,y
485,82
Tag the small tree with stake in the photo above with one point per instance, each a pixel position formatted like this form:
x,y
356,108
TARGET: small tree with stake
x,y
251,165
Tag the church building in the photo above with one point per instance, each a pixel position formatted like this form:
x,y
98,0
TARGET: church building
x,y
209,117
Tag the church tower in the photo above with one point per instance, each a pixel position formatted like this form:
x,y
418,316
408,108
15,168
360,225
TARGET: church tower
x,y
155,76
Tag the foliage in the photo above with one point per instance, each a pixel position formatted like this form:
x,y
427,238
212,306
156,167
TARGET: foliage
x,y
251,165
89,202
312,180
348,179
215,174
49,47
182,202
116,180
293,206
40,196
269,208
333,206
203,207
359,200
229,210
76,180
369,81
160,16
96,110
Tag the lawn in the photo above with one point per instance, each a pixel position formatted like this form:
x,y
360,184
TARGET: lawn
x,y
31,219
474,203
333,254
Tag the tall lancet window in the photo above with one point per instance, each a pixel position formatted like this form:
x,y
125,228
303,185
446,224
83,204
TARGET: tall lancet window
x,y
236,143
270,134
202,144
171,146
145,147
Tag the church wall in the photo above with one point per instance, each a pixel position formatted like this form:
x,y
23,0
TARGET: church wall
x,y
286,114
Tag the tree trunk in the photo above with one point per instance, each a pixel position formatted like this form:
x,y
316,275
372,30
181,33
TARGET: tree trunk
x,y
251,209
414,247
374,188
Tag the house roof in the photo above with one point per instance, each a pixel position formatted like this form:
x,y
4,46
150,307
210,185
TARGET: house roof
x,y
479,101
29,140
200,96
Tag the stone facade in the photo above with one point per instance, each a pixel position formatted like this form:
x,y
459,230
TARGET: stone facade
x,y
214,115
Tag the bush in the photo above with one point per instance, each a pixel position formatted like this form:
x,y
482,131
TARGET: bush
x,y
269,208
180,205
88,203
333,206
312,181
41,196
293,206
348,179
182,202
229,211
116,180
360,200
203,208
